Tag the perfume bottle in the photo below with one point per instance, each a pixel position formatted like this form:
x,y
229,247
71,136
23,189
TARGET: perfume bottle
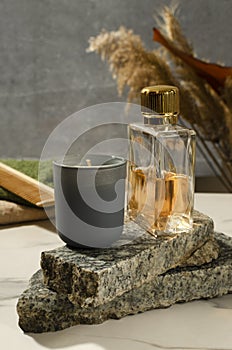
x,y
161,165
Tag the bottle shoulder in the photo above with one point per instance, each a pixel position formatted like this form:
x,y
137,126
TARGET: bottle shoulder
x,y
165,130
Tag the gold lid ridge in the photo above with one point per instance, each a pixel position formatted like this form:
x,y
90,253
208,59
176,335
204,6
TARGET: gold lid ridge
x,y
162,100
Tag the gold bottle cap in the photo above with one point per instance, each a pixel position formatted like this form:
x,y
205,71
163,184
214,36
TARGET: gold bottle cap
x,y
162,100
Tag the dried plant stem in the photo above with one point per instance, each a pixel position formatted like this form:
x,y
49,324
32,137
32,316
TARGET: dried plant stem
x,y
225,179
215,166
226,163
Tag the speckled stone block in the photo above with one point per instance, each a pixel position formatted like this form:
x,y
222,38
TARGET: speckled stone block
x,y
42,310
91,277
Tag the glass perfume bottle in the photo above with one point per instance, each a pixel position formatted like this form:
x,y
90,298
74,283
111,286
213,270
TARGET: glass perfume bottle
x,y
161,165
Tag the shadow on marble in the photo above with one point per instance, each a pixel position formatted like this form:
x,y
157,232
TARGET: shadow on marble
x,y
224,302
71,337
46,224
132,333
100,338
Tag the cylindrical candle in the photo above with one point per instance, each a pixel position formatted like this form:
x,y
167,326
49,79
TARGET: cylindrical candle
x,y
89,200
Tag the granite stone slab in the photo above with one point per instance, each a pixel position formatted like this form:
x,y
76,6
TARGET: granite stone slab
x,y
91,277
43,310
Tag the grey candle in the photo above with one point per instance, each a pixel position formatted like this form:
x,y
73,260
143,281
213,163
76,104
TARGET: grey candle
x,y
89,200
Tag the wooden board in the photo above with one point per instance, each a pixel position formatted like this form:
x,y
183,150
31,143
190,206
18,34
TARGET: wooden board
x,y
11,213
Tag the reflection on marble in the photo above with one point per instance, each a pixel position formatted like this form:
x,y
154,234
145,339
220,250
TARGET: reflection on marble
x,y
198,325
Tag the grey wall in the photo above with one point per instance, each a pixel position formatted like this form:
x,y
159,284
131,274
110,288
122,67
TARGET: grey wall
x,y
46,74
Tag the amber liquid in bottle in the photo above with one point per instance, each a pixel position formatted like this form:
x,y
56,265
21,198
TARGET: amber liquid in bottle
x,y
160,205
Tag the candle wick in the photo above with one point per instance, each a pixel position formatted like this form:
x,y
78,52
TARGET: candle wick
x,y
88,162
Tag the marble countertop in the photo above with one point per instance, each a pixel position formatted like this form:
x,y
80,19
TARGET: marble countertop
x,y
204,324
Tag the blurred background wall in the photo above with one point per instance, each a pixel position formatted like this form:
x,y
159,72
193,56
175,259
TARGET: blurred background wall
x,y
46,74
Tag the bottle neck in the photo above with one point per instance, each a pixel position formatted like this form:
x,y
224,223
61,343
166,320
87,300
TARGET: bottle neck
x,y
159,119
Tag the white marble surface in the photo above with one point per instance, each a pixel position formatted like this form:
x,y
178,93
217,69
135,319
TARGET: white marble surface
x,y
195,325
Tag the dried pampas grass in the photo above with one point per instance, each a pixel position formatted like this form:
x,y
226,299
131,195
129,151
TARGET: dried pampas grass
x,y
207,111
129,61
